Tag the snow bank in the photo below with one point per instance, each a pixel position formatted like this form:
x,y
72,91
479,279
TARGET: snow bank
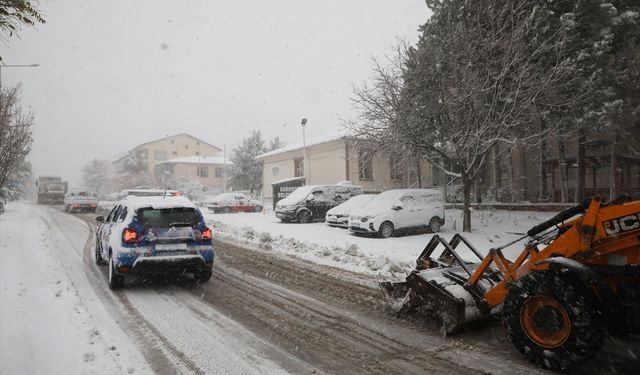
x,y
389,258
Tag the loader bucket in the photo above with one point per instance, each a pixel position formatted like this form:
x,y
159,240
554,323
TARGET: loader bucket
x,y
444,298
394,290
437,285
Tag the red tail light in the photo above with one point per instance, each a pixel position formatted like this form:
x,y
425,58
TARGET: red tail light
x,y
206,234
129,235
176,194
93,206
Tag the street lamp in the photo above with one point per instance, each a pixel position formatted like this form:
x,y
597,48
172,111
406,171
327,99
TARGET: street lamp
x,y
306,165
15,66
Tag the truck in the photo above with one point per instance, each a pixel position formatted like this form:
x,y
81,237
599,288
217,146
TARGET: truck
x,y
80,201
51,189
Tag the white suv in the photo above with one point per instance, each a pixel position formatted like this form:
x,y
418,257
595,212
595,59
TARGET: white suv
x,y
400,209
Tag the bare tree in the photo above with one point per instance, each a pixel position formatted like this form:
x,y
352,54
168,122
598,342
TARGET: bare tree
x,y
15,133
94,174
475,80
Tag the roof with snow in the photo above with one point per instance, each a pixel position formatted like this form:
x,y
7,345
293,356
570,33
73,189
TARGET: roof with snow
x,y
299,146
197,160
177,135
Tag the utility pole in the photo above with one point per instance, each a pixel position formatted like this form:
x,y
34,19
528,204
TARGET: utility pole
x,y
307,164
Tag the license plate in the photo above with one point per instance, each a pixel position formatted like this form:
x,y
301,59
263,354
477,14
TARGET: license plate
x,y
171,246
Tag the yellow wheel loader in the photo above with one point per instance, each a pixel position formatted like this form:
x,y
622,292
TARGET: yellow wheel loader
x,y
577,277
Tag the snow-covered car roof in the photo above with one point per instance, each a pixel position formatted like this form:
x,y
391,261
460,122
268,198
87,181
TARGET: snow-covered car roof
x,y
351,204
226,196
148,192
158,202
386,199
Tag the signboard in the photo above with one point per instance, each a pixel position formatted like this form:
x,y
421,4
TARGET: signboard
x,y
282,189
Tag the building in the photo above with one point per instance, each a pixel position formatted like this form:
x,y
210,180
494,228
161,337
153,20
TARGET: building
x,y
209,171
338,158
138,165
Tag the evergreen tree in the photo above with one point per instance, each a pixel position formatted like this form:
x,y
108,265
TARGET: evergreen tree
x,y
246,171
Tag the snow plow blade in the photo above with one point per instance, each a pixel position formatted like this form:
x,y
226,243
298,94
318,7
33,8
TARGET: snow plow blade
x,y
394,290
438,286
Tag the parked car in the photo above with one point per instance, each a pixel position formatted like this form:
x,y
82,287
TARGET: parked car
x,y
234,202
401,209
156,236
311,203
339,215
80,201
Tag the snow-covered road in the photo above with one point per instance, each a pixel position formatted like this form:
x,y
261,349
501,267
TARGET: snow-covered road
x,y
264,312
55,320
51,321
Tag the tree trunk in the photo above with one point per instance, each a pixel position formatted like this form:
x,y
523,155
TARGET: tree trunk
x,y
581,167
613,180
562,168
497,171
524,191
466,208
542,173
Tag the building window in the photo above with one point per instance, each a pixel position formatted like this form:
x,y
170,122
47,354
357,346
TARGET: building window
x,y
298,167
396,167
198,153
186,147
159,155
203,171
219,172
174,152
365,164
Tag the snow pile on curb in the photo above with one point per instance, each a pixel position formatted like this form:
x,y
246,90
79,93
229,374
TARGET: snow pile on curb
x,y
346,257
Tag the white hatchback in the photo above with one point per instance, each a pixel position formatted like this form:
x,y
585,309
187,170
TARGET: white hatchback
x,y
401,209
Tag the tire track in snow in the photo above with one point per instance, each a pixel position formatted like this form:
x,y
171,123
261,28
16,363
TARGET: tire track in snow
x,y
162,357
147,311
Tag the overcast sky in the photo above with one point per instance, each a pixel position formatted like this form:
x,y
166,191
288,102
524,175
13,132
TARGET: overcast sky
x,y
117,73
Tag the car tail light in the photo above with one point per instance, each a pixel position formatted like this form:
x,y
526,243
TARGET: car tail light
x,y
93,206
206,234
75,205
129,235
176,194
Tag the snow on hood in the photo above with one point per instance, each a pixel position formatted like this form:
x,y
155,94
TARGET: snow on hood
x,y
352,204
383,202
297,195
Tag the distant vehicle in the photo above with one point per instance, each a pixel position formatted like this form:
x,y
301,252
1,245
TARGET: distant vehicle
x,y
146,192
80,201
400,209
156,236
233,202
51,190
339,215
311,203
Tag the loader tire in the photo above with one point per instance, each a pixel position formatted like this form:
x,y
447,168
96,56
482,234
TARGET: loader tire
x,y
553,320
